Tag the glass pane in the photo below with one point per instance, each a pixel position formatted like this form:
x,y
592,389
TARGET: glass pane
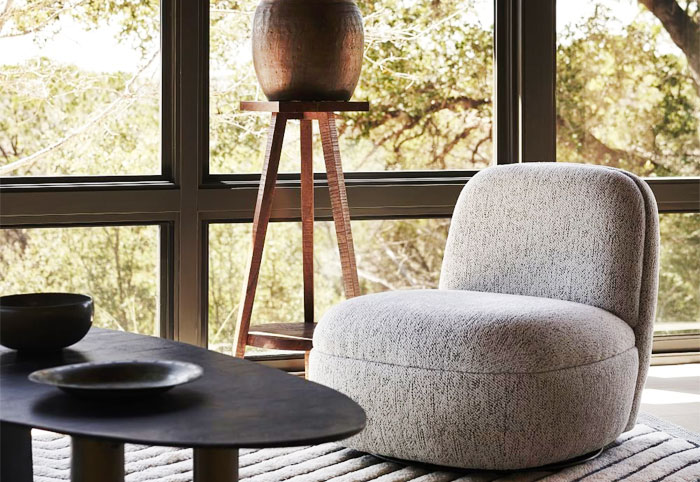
x,y
427,72
391,254
117,266
628,87
79,88
679,292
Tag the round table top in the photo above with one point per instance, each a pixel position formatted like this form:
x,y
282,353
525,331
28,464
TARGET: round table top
x,y
236,403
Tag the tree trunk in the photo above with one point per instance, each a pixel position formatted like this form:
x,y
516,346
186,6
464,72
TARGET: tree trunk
x,y
684,32
5,14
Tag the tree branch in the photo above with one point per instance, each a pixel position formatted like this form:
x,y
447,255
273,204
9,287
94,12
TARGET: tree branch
x,y
126,92
611,156
375,279
450,103
452,144
684,32
475,151
5,14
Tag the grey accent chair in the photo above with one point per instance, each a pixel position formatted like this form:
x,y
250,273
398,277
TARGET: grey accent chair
x,y
535,347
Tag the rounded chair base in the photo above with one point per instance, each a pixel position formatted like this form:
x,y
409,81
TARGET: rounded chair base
x,y
487,421
543,468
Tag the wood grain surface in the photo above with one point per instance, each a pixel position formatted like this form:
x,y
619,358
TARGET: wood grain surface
x,y
282,336
263,208
307,218
339,203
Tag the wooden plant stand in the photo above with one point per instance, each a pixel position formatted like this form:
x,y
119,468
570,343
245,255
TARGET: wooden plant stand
x,y
298,336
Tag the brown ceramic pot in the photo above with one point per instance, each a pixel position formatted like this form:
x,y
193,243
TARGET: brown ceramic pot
x,y
308,49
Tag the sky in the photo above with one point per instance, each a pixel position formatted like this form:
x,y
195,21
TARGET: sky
x,y
77,46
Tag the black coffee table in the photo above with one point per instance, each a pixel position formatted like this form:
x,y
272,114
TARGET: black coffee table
x,y
234,404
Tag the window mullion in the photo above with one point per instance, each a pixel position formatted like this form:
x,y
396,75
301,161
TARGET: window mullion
x,y
506,118
168,50
537,32
191,94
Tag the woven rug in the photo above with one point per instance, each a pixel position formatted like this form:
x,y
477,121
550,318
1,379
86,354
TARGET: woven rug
x,y
653,451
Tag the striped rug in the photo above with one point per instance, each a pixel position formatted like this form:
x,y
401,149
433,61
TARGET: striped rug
x,y
653,451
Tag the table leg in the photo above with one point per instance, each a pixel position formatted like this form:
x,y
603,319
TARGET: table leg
x,y
339,203
215,465
263,208
15,453
96,459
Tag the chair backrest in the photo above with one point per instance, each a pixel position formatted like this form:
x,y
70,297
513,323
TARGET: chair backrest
x,y
567,231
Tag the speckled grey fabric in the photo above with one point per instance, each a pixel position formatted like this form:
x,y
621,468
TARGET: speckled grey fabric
x,y
484,420
644,330
471,331
536,347
564,231
568,231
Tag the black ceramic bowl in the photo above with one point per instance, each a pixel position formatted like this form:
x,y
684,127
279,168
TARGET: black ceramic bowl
x,y
44,322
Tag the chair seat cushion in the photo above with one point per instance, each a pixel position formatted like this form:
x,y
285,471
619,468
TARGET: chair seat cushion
x,y
471,331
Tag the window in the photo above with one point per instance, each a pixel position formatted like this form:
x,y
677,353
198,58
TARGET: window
x,y
116,265
678,309
628,97
427,72
66,106
626,94
391,254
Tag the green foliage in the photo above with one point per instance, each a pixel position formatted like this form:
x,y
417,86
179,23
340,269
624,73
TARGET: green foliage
x,y
107,130
624,101
680,269
435,50
117,266
139,19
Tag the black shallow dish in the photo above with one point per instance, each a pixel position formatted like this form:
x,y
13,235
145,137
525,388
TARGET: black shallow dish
x,y
44,322
119,379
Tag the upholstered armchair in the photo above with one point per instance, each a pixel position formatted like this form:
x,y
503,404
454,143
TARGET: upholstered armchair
x,y
535,347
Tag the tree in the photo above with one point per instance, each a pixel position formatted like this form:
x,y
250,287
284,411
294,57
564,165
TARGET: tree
x,y
683,25
624,101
